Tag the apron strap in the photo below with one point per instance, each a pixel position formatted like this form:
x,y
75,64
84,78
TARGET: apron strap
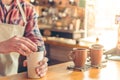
x,y
22,12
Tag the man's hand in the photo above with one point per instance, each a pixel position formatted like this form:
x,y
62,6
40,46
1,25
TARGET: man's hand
x,y
42,69
21,45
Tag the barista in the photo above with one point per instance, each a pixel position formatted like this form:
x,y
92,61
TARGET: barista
x,y
19,34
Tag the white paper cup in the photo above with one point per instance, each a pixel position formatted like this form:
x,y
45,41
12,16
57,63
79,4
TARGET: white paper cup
x,y
32,63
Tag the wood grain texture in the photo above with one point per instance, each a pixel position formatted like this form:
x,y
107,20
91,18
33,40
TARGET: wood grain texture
x,y
59,72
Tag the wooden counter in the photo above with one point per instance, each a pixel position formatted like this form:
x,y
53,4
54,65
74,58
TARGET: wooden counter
x,y
59,72
55,43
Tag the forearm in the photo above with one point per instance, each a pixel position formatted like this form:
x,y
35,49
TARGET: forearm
x,y
32,31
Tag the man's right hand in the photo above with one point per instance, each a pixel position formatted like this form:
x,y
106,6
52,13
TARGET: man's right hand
x,y
22,45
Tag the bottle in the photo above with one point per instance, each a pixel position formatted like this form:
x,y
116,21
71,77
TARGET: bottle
x,y
97,40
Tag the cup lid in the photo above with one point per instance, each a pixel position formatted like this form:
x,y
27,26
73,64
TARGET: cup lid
x,y
79,48
97,46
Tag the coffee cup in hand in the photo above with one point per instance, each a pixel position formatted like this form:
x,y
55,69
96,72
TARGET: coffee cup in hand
x,y
33,62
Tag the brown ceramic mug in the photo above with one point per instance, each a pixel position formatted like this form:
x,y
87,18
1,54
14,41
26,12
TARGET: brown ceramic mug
x,y
78,56
96,53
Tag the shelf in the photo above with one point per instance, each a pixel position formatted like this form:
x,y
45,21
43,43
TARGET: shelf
x,y
67,31
62,33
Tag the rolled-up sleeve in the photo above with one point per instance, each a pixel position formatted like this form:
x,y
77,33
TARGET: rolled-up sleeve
x,y
32,31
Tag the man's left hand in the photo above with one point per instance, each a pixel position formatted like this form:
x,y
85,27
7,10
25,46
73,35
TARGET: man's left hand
x,y
42,69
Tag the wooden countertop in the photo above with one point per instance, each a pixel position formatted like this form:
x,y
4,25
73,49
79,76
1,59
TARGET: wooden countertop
x,y
55,43
66,43
59,72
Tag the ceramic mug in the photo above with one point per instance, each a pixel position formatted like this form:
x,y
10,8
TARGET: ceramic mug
x,y
96,53
78,56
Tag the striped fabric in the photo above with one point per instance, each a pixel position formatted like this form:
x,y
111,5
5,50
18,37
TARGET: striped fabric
x,y
13,16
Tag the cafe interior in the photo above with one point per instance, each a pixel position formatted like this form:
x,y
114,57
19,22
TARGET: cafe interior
x,y
68,25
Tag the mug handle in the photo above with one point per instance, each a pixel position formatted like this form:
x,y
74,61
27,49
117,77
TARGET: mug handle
x,y
71,55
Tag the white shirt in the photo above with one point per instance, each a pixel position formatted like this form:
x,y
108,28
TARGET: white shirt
x,y
7,7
